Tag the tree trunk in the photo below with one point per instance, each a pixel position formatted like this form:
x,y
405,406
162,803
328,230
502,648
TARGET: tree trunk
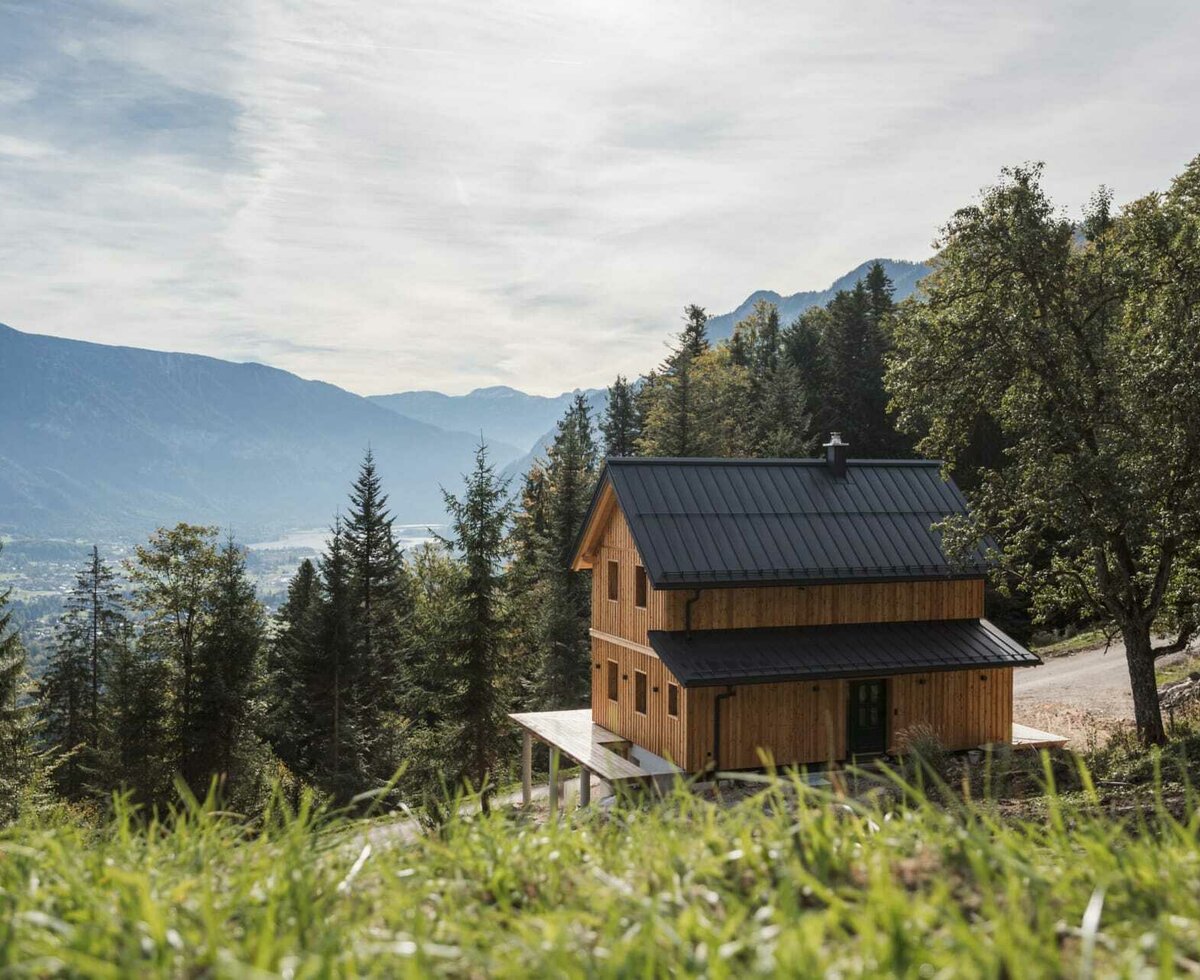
x,y
1142,682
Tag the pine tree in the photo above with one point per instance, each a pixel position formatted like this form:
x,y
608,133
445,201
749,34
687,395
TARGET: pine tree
x,y
89,630
380,605
622,425
19,763
228,673
855,348
479,521
527,541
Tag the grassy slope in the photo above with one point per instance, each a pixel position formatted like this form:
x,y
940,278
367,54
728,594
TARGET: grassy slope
x,y
680,886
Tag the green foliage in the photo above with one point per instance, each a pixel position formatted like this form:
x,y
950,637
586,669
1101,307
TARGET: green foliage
x,y
475,717
1078,343
622,426
21,767
792,880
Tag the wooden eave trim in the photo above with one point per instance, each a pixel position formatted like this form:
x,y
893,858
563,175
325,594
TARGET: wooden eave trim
x,y
622,642
589,541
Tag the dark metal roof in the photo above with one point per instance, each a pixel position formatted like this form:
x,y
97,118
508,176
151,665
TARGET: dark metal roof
x,y
790,653
731,522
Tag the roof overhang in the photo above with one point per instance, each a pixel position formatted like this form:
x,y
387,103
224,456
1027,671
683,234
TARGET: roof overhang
x,y
601,509
762,655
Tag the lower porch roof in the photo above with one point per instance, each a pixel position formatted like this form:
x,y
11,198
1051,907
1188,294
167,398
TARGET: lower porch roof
x,y
790,653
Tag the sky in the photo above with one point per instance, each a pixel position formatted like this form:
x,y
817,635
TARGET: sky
x,y
395,195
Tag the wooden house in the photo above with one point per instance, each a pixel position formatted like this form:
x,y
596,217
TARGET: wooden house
x,y
800,610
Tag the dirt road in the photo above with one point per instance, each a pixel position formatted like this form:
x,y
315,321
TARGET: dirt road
x,y
1073,693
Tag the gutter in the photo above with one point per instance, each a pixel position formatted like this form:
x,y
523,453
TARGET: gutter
x,y
716,752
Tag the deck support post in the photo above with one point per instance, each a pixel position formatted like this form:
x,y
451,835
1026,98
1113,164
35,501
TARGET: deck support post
x,y
526,769
553,782
585,786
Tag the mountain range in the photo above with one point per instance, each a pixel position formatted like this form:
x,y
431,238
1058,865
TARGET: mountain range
x,y
105,440
904,276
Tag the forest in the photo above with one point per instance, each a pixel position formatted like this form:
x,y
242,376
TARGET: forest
x,y
1052,364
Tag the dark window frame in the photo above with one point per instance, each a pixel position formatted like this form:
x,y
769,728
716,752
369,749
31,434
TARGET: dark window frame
x,y
641,587
614,580
641,692
614,680
672,700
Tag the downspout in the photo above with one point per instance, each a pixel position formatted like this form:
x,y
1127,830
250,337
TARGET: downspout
x,y
687,613
716,752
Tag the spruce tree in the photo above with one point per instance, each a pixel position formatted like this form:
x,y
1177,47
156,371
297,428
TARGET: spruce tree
x,y
89,630
19,763
564,596
478,523
137,753
379,600
289,719
228,671
676,409
622,425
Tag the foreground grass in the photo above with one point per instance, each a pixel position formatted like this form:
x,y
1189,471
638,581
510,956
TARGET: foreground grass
x,y
793,880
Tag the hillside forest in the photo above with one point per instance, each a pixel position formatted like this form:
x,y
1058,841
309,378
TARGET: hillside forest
x,y
1052,363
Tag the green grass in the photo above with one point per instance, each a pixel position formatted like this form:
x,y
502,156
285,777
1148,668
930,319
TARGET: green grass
x,y
793,879
1177,672
1086,640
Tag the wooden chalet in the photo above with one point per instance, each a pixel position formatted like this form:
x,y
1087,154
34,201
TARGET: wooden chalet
x,y
797,610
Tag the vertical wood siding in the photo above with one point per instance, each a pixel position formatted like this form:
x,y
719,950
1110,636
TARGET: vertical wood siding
x,y
793,723
655,730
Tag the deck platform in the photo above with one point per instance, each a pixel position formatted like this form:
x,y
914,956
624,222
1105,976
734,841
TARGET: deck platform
x,y
582,741
1025,737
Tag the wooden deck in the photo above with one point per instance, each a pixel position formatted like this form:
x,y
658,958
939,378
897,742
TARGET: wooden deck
x,y
1024,737
581,740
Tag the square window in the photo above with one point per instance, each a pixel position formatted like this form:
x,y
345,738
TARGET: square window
x,y
673,700
613,677
640,587
614,579
639,692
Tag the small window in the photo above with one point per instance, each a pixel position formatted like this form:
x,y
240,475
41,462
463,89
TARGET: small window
x,y
673,700
614,579
613,677
639,579
639,692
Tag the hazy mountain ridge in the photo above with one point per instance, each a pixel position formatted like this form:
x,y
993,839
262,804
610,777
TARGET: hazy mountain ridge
x,y
904,276
95,438
500,413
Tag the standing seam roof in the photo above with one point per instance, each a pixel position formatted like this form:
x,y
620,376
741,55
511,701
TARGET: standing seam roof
x,y
724,522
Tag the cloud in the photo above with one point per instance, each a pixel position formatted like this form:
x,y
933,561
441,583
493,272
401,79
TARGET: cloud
x,y
393,196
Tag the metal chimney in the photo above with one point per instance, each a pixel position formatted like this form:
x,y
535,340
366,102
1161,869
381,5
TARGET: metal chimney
x,y
835,455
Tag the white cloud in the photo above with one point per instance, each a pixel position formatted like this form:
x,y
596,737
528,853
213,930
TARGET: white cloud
x,y
443,195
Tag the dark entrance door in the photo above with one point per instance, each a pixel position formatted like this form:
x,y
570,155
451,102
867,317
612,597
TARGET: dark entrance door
x,y
867,717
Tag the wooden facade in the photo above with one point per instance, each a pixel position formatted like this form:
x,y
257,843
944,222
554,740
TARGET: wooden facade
x,y
796,722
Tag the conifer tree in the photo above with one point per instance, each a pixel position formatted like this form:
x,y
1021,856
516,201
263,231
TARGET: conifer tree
x,y
19,764
479,521
89,630
137,753
622,425
228,672
378,594
564,596
289,713
676,411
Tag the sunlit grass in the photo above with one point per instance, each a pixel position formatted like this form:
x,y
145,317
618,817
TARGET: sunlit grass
x,y
794,879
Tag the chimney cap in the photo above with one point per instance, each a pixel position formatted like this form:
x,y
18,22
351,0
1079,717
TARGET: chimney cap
x,y
835,439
